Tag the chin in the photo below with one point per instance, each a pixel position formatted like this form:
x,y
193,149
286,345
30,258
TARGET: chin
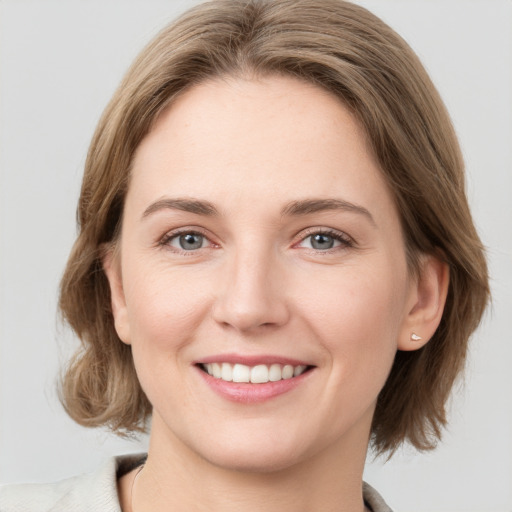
x,y
253,459
256,448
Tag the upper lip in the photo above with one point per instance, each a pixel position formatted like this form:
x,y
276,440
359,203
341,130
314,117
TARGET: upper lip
x,y
252,360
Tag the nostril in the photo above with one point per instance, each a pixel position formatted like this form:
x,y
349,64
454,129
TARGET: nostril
x,y
248,302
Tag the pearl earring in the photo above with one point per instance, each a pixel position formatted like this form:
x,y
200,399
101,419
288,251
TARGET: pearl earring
x,y
415,337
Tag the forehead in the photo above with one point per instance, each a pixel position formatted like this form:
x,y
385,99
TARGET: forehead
x,y
274,136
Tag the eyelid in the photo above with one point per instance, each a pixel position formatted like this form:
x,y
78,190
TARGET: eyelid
x,y
164,240
345,239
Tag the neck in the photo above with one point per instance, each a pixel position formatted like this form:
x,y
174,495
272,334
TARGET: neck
x,y
176,478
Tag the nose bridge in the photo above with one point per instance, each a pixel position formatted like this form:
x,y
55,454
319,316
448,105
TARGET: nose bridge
x,y
251,294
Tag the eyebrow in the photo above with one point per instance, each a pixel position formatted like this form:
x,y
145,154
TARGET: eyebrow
x,y
186,205
292,209
308,206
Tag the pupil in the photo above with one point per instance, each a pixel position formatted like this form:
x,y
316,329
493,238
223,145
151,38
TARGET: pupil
x,y
191,241
320,241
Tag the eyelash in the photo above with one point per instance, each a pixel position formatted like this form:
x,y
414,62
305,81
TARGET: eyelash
x,y
165,241
345,240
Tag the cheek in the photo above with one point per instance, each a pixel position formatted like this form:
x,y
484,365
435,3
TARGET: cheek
x,y
357,314
164,309
163,316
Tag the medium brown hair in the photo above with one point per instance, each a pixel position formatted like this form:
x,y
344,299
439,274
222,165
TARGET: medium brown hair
x,y
348,51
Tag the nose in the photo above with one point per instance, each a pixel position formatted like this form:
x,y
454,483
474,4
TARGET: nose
x,y
251,295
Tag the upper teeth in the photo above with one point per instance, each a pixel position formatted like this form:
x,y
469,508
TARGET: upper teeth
x,y
258,374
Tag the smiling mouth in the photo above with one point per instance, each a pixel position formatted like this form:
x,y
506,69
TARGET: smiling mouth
x,y
258,374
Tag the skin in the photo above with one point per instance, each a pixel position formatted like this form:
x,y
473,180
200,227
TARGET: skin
x,y
257,286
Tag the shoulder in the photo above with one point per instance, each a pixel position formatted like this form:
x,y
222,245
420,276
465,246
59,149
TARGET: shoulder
x,y
94,491
374,500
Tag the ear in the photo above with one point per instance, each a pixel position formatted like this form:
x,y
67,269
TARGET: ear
x,y
426,301
112,269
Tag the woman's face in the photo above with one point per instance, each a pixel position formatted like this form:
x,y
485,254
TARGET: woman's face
x,y
259,240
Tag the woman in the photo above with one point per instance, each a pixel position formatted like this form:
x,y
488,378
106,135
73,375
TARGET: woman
x,y
276,262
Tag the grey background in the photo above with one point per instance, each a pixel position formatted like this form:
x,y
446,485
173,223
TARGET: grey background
x,y
60,62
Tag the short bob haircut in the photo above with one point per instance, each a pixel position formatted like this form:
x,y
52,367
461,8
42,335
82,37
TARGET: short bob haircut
x,y
346,50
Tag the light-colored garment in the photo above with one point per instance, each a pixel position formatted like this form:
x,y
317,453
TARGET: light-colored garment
x,y
97,492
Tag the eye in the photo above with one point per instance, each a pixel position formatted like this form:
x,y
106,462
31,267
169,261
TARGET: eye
x,y
325,240
189,241
321,241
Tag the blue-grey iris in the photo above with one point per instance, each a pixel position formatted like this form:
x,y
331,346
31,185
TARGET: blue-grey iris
x,y
321,241
191,241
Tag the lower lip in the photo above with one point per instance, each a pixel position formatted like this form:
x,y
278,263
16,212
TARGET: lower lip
x,y
247,393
